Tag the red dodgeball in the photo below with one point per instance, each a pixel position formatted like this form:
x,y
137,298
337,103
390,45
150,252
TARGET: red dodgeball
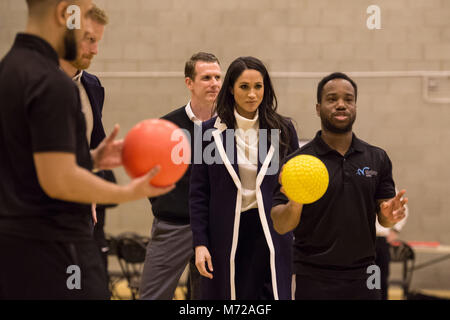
x,y
156,142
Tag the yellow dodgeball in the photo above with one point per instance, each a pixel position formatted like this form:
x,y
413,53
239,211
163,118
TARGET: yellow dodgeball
x,y
304,179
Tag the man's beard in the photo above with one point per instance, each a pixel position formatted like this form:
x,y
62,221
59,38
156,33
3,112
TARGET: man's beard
x,y
82,63
329,126
70,45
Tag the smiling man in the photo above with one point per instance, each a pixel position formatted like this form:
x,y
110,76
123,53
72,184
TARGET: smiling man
x,y
335,236
171,248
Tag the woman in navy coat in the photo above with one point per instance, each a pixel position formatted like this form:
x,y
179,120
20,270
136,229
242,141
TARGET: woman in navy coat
x,y
237,250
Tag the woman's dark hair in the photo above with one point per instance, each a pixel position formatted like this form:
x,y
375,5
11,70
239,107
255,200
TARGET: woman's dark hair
x,y
268,117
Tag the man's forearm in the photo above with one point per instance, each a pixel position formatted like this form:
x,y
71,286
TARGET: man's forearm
x,y
286,217
83,186
61,178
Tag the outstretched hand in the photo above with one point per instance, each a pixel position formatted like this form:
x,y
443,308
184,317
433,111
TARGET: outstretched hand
x,y
108,154
393,210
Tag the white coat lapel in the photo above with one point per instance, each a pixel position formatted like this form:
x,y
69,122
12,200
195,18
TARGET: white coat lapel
x,y
265,165
217,134
263,218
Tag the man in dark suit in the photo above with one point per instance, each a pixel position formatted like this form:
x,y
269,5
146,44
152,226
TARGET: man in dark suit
x,y
92,96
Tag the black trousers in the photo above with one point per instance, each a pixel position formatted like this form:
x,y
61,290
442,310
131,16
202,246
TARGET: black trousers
x,y
382,260
43,270
252,262
318,288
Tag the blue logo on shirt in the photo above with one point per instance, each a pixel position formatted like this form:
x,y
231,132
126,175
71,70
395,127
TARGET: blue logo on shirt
x,y
366,172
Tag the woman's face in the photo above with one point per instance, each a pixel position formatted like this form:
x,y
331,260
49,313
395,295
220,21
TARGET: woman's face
x,y
248,92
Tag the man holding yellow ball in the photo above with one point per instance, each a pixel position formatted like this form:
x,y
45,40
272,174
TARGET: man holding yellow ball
x,y
334,230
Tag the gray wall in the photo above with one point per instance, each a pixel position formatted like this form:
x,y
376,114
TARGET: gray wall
x,y
292,36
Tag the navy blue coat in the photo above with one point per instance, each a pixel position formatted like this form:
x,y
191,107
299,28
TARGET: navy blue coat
x,y
96,95
215,207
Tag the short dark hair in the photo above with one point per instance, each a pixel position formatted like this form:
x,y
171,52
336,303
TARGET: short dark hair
x,y
334,75
189,68
35,7
32,3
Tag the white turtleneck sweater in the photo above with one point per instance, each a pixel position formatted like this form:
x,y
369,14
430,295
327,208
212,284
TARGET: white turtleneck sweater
x,y
247,156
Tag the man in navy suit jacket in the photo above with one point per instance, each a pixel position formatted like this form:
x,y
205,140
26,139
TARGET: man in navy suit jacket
x,y
92,96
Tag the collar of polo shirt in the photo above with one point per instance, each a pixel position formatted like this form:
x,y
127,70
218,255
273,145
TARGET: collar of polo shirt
x,y
322,148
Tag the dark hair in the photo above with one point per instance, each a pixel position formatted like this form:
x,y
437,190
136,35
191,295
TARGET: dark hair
x,y
268,117
335,75
189,68
37,7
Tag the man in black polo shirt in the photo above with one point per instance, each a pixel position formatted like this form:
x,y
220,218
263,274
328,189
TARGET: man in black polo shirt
x,y
335,236
46,186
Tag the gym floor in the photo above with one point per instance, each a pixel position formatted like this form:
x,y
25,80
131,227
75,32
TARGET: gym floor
x,y
395,293
122,292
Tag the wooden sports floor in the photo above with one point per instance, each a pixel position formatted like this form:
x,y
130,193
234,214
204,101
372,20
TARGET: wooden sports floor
x,y
123,292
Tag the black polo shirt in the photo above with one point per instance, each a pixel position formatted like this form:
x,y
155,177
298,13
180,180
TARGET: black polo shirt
x,y
336,234
40,111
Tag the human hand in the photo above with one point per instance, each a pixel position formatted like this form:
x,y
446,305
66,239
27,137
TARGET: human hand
x,y
108,154
393,210
142,188
203,258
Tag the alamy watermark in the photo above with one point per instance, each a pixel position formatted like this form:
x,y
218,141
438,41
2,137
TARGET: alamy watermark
x,y
374,20
374,280
74,280
206,149
74,20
